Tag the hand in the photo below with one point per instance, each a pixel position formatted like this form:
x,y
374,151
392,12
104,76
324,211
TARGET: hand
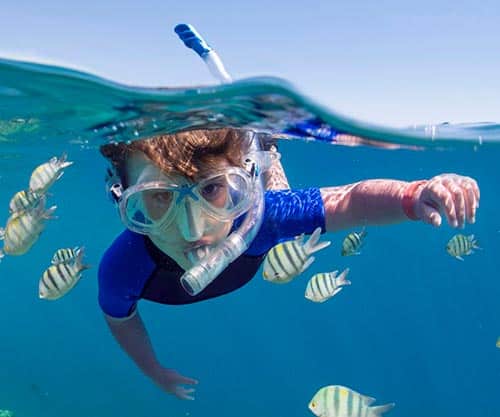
x,y
171,381
455,196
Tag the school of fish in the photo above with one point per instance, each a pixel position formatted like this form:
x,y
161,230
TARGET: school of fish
x,y
27,221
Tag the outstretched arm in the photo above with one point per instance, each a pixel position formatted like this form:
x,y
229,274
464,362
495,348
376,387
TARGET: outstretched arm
x,y
389,201
133,337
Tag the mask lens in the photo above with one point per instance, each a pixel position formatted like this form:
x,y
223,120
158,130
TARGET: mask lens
x,y
226,193
147,208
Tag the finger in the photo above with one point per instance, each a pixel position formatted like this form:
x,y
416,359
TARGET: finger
x,y
475,188
442,198
185,380
430,215
183,393
470,203
459,202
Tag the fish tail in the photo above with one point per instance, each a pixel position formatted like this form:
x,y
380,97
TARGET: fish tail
x,y
312,245
473,241
380,409
342,278
62,162
79,260
48,214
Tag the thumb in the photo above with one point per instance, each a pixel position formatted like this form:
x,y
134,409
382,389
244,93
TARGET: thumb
x,y
430,215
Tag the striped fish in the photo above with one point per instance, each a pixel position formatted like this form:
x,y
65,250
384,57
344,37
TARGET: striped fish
x,y
58,280
325,285
23,229
339,401
25,200
460,245
65,255
288,259
352,243
46,174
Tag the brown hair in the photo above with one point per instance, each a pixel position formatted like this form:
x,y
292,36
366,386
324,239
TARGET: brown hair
x,y
183,153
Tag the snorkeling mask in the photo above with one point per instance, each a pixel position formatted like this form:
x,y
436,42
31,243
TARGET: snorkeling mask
x,y
149,206
153,203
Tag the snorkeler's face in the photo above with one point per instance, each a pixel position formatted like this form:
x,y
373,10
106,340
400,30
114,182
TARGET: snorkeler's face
x,y
191,230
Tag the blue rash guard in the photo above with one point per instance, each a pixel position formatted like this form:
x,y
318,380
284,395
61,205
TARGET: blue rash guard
x,y
133,268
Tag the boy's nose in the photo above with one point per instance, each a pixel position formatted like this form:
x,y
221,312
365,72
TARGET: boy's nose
x,y
191,220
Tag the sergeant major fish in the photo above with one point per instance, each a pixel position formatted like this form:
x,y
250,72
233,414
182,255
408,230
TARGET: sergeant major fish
x,y
65,255
352,243
25,200
288,259
23,229
339,401
460,245
58,279
46,174
325,285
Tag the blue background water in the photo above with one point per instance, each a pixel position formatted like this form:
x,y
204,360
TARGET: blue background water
x,y
416,327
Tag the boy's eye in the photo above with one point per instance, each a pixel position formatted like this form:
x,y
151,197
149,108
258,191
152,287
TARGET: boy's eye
x,y
162,197
211,191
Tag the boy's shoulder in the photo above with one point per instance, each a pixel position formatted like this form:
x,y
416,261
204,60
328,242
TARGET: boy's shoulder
x,y
127,257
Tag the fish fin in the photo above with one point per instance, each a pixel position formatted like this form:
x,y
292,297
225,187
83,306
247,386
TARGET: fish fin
x,y
459,258
2,233
368,400
363,233
307,264
313,244
2,255
380,409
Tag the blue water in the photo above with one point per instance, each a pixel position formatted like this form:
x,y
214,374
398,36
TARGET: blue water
x,y
416,326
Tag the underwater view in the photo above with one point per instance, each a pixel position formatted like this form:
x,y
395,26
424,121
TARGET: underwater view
x,y
415,325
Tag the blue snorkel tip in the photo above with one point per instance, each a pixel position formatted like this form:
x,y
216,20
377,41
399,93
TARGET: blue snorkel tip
x,y
192,39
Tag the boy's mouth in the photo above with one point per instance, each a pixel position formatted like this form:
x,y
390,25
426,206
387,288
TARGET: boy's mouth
x,y
196,254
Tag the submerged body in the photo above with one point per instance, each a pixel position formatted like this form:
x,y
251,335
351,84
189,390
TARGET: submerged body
x,y
178,214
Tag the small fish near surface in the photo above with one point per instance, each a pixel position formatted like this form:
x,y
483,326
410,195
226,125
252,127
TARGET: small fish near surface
x,y
25,200
352,243
339,401
288,259
23,229
58,280
325,285
47,173
460,245
65,255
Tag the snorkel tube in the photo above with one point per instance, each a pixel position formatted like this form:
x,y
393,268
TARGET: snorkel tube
x,y
209,268
193,40
200,276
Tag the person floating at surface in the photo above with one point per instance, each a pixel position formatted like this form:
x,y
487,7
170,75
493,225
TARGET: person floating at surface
x,y
182,195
